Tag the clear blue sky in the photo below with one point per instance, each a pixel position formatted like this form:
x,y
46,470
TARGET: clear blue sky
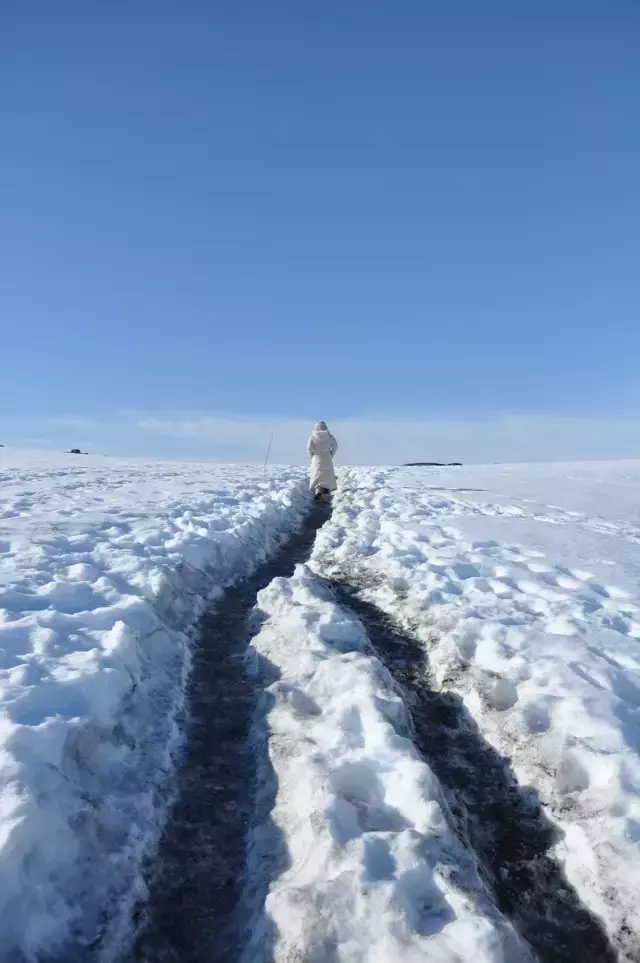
x,y
291,210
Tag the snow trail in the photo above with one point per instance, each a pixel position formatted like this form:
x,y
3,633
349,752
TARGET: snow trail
x,y
196,884
500,821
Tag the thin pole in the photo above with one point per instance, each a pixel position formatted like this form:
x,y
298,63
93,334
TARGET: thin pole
x,y
268,451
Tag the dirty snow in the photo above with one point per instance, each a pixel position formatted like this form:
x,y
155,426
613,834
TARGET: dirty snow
x,y
524,585
104,567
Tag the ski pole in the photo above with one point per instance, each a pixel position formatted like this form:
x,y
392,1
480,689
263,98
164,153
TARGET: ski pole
x,y
268,450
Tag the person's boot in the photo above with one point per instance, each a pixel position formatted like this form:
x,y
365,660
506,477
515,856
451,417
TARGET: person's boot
x,y
317,495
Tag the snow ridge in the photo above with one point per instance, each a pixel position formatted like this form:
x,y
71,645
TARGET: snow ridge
x,y
361,863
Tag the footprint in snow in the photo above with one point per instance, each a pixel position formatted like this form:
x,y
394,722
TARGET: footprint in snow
x,y
572,776
536,717
497,692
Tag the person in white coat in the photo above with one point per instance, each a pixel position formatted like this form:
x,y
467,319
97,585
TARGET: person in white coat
x,y
321,447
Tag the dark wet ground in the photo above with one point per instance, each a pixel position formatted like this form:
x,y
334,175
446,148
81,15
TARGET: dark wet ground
x,y
192,914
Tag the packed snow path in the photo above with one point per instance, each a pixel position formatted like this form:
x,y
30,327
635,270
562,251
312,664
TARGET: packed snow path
x,y
195,903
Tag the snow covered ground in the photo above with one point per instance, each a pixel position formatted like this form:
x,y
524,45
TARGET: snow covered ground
x,y
523,584
508,597
104,567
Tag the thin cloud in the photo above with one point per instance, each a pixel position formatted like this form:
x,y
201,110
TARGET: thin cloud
x,y
75,421
501,438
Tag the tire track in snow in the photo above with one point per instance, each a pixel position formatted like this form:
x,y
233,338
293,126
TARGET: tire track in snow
x,y
195,885
502,822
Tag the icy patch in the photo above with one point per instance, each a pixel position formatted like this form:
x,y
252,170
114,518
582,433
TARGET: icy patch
x,y
362,865
104,568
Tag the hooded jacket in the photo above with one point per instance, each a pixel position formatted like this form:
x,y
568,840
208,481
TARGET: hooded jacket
x,y
321,447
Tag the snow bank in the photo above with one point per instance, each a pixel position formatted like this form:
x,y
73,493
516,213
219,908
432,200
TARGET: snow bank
x,y
104,567
360,860
524,584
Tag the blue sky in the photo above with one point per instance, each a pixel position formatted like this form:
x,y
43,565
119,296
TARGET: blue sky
x,y
421,216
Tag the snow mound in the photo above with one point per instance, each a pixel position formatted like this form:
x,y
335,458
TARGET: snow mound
x,y
104,568
524,585
353,835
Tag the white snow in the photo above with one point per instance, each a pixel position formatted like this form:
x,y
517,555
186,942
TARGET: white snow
x,y
524,584
372,871
104,567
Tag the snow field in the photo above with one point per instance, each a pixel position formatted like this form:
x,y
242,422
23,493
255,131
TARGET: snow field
x,y
369,870
531,611
523,585
104,568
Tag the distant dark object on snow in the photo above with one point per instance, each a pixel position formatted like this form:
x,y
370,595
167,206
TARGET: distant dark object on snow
x,y
76,451
432,464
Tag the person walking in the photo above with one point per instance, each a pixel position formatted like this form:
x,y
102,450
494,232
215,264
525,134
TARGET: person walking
x,y
321,447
